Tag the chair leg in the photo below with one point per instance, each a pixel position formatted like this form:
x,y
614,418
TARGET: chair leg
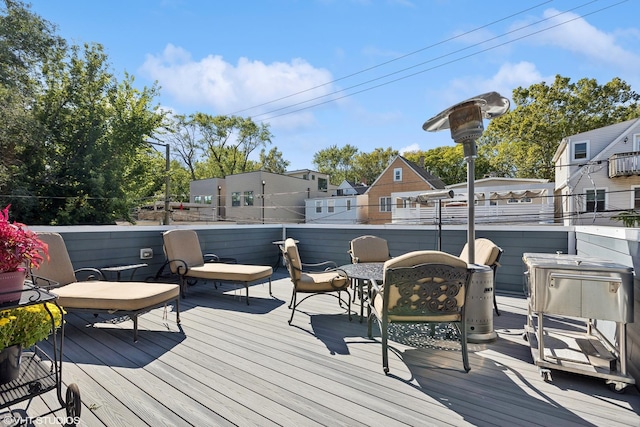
x,y
293,306
246,286
495,303
135,328
385,346
463,344
270,293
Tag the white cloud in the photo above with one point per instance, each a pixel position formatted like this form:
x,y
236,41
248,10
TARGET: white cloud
x,y
228,89
508,77
575,34
412,147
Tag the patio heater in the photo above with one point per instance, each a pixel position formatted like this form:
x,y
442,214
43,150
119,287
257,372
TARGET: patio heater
x,y
465,122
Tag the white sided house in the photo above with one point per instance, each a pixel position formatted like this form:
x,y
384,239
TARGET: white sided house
x,y
598,174
349,206
503,200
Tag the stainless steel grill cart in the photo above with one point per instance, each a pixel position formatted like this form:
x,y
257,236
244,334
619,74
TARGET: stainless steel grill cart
x,y
598,291
40,372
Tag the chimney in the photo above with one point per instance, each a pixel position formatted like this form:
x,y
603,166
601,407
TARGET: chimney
x,y
421,162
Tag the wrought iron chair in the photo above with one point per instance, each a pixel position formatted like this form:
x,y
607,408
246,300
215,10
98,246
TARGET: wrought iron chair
x,y
328,281
97,295
489,254
420,287
369,249
185,258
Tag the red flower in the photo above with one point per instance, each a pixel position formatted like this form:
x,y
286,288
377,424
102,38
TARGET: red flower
x,y
19,247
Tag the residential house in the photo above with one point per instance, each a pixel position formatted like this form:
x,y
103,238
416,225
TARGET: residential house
x,y
259,196
496,199
348,206
349,188
320,181
598,174
400,176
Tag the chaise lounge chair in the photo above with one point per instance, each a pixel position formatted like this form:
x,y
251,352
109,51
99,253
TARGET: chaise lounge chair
x,y
185,259
97,296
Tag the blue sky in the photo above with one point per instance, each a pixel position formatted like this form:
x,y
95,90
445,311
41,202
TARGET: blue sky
x,y
361,72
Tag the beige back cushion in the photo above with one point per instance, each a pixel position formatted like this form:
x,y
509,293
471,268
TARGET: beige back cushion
x,y
58,268
487,252
183,245
369,249
411,259
295,268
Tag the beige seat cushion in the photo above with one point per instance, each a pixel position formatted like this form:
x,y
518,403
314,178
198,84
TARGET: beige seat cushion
x,y
486,252
321,282
369,249
125,296
230,272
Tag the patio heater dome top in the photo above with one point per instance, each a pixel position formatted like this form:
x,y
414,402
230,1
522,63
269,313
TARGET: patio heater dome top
x,y
465,118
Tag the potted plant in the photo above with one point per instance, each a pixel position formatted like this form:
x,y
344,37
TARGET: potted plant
x,y
20,328
20,250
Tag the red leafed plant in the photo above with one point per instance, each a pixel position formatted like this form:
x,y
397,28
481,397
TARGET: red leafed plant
x,y
20,248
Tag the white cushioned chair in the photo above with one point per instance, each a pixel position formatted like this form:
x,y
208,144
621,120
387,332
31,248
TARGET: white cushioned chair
x,y
98,296
185,258
421,287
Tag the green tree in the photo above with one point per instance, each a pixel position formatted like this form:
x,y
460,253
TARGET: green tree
x,y
337,162
94,128
527,137
367,167
272,161
27,42
228,141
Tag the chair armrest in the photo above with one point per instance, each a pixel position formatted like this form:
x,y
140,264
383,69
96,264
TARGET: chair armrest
x,y
328,265
211,258
91,272
182,267
43,282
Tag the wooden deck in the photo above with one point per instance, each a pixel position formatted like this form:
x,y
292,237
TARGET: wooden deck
x,y
234,364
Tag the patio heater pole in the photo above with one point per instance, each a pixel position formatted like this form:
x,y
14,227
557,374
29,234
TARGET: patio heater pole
x,y
465,123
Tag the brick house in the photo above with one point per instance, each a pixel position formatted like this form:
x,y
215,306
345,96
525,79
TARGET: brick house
x,y
401,175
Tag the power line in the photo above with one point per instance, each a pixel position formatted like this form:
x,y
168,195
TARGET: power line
x,y
394,59
432,60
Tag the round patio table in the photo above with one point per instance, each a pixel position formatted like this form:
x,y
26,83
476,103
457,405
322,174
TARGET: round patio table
x,y
362,273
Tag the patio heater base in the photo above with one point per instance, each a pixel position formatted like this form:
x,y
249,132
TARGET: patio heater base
x,y
479,310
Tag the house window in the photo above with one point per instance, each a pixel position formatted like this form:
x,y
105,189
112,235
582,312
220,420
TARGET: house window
x,y
595,200
331,206
322,184
235,198
318,206
636,198
520,200
197,199
248,198
385,204
348,204
207,200
581,150
397,174
636,141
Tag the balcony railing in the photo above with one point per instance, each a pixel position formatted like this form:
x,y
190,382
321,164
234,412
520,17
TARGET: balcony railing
x,y
624,164
516,213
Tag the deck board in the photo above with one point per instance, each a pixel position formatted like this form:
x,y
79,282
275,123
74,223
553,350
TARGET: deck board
x,y
233,364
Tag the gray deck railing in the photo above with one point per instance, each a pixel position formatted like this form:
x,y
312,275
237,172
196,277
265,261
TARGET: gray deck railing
x,y
101,246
